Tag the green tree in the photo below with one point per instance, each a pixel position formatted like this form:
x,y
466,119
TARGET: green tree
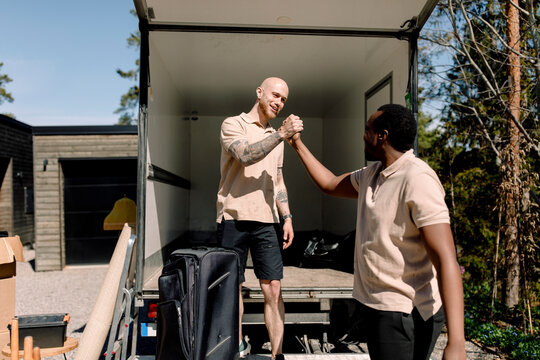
x,y
4,95
487,146
130,100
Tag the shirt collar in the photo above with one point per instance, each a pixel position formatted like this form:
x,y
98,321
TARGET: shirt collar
x,y
248,119
396,165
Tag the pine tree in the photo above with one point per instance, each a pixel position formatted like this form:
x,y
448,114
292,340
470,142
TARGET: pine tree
x,y
4,95
129,101
489,134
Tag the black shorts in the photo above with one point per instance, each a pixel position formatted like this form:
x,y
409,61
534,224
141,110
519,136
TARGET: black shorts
x,y
393,335
262,239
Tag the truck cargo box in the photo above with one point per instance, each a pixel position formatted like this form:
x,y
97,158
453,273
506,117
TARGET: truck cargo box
x,y
201,62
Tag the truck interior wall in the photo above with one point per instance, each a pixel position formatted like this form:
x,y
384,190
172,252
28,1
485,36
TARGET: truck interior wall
x,y
205,153
305,199
190,148
343,125
167,206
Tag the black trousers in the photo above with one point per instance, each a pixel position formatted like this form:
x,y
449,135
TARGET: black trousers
x,y
399,336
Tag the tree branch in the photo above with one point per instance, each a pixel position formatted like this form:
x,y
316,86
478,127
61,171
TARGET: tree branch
x,y
493,87
500,38
520,9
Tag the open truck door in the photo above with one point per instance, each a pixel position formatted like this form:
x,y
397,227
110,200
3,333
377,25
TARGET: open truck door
x,y
201,61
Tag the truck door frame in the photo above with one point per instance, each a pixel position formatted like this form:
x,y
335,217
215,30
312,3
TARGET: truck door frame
x,y
409,33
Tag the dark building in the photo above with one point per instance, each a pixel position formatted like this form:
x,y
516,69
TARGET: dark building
x,y
16,179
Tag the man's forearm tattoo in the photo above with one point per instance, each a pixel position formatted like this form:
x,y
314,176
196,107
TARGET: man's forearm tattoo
x,y
282,197
250,154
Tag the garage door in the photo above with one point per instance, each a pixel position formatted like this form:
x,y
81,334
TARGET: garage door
x,y
91,187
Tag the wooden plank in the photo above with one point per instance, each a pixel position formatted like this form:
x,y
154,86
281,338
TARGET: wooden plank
x,y
67,146
48,200
92,152
48,250
47,244
55,138
48,260
44,239
46,227
47,267
52,169
46,211
44,186
48,217
48,177
44,193
48,231
59,136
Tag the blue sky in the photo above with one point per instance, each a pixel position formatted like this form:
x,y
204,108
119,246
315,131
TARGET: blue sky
x,y
62,57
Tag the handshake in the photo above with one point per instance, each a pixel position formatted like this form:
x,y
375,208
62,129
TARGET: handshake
x,y
291,128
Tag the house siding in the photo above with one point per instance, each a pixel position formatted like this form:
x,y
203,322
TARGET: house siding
x,y
49,189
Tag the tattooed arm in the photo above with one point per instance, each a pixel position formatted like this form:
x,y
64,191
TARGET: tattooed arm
x,y
249,154
282,203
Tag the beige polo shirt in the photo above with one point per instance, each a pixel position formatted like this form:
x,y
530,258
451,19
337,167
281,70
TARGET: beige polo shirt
x,y
247,192
392,269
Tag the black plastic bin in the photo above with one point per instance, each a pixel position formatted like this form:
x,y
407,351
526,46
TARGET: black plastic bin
x,y
47,330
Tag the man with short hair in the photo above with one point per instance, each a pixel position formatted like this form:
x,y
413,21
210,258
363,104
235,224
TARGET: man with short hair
x,y
252,196
405,270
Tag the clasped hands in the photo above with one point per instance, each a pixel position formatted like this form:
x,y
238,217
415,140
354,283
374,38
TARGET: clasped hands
x,y
291,127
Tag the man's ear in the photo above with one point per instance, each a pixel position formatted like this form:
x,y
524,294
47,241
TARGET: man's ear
x,y
259,92
383,135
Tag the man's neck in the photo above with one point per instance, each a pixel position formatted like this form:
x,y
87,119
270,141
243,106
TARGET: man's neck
x,y
390,156
256,114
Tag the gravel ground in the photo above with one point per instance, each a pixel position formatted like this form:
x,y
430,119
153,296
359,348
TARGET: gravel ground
x,y
74,290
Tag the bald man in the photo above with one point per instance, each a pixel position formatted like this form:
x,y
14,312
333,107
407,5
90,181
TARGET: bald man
x,y
252,197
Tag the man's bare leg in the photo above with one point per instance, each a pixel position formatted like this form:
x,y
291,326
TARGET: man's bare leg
x,y
240,311
244,348
274,313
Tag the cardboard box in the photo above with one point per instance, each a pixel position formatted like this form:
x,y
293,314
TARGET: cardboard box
x,y
11,250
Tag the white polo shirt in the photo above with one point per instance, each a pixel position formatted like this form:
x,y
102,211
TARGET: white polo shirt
x,y
247,192
392,269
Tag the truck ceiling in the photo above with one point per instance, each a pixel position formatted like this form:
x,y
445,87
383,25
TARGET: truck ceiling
x,y
354,14
216,51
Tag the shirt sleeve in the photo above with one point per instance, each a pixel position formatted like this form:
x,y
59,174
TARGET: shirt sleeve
x,y
354,179
231,131
359,176
425,198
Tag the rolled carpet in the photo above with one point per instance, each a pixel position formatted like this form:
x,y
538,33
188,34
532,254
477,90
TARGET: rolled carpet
x,y
97,327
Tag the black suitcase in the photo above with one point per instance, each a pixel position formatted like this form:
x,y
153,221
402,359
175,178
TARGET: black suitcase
x,y
197,314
